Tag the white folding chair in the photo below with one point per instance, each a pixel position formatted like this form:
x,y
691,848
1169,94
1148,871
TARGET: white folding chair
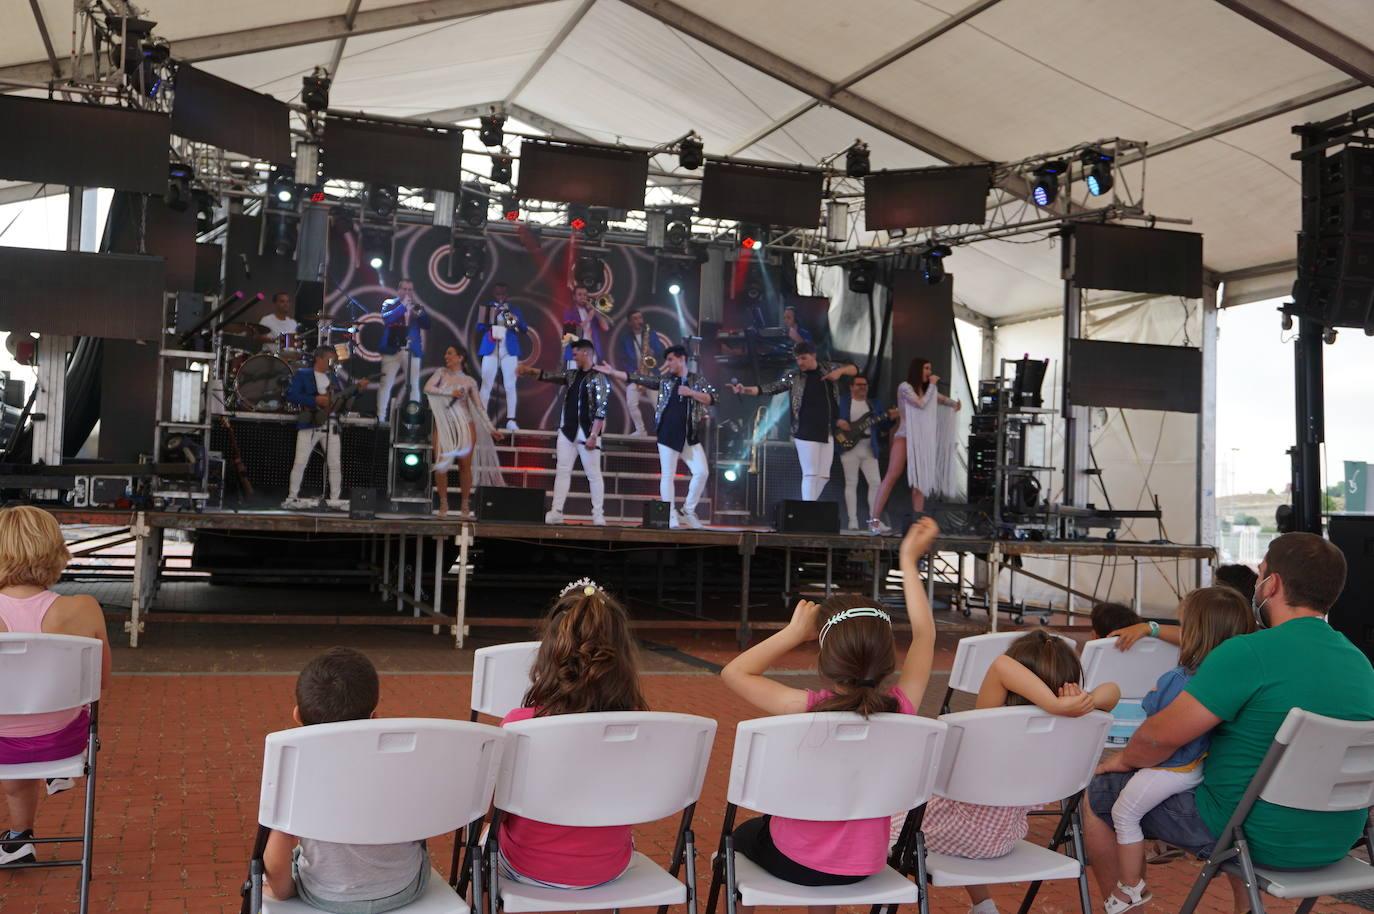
x,y
608,768
377,782
828,767
41,674
1315,763
501,676
1135,672
972,657
1049,758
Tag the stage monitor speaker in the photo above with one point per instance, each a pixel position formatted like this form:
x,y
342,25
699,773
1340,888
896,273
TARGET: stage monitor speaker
x,y
796,516
656,514
506,504
363,503
1353,614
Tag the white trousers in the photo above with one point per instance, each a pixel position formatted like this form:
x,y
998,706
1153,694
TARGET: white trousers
x,y
1146,789
507,363
695,457
859,460
815,458
307,439
393,365
591,465
634,396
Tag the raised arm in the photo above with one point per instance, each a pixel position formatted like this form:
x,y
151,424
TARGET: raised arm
x,y
1007,676
915,674
1125,637
606,369
744,675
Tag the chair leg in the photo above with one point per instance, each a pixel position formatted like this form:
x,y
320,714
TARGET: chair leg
x,y
453,879
1204,879
1247,868
1076,830
690,859
473,717
475,866
944,705
922,877
730,889
88,821
1306,905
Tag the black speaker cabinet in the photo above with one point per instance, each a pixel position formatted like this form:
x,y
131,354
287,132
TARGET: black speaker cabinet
x,y
363,503
1353,614
656,514
507,504
808,517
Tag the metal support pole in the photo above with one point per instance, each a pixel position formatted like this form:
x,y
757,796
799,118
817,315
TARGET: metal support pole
x,y
959,595
438,578
746,552
1069,598
1075,417
373,551
461,610
386,566
400,584
1135,584
930,579
701,581
1206,483
994,575
147,558
829,569
419,570
877,571
1311,427
786,573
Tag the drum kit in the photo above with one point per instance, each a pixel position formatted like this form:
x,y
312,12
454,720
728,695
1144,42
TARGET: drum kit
x,y
258,369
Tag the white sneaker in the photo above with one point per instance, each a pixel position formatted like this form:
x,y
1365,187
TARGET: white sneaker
x,y
673,521
338,504
57,785
16,847
877,527
292,503
598,519
690,519
511,426
639,433
553,517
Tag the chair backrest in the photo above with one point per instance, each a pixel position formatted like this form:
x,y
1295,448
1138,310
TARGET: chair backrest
x,y
378,781
975,653
40,673
1134,670
605,768
501,676
1019,756
835,766
1327,764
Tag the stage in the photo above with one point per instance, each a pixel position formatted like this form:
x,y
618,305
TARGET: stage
x,y
409,562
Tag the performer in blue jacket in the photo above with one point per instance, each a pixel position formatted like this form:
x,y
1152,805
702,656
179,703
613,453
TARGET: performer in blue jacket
x,y
641,353
498,323
322,397
406,324
862,457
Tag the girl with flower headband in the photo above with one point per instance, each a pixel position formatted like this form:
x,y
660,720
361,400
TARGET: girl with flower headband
x,y
857,659
587,662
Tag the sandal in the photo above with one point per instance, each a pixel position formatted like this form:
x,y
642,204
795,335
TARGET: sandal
x,y
1136,896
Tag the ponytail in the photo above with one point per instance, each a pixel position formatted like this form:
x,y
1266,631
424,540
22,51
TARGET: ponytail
x,y
857,656
587,659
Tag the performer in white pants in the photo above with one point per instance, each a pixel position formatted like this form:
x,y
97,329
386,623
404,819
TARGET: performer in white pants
x,y
321,396
406,325
861,421
586,395
814,412
500,348
641,353
680,416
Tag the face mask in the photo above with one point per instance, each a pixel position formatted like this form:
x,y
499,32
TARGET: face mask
x,y
1260,618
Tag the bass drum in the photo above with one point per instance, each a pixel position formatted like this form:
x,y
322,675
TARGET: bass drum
x,y
260,384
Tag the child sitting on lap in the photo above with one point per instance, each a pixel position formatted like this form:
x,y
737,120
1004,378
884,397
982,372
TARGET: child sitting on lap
x,y
1041,669
857,657
586,663
341,684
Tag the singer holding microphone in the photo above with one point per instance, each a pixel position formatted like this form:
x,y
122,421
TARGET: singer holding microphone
x,y
914,444
405,326
586,394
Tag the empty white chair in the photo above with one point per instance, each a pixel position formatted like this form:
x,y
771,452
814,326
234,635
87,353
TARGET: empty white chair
x,y
1315,763
1017,756
972,657
41,674
1135,671
501,676
377,782
830,766
609,768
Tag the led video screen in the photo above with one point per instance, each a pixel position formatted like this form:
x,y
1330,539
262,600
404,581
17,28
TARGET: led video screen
x,y
80,145
400,154
1135,375
224,114
1130,259
766,194
577,173
923,197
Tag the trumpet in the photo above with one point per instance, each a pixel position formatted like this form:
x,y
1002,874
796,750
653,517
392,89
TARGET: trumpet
x,y
604,304
508,318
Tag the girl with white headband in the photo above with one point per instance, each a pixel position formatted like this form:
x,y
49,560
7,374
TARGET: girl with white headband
x,y
857,659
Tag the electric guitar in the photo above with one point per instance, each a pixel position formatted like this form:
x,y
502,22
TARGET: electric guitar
x,y
319,415
846,439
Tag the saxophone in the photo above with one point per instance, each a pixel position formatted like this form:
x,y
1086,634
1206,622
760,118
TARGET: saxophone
x,y
647,362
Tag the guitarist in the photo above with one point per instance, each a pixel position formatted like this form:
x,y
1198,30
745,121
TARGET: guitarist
x,y
856,411
320,394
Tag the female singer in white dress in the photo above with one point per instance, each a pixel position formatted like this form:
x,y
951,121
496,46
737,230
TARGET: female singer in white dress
x,y
462,431
915,444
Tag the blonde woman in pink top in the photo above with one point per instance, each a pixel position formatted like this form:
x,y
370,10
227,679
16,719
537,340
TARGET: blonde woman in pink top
x,y
857,658
32,556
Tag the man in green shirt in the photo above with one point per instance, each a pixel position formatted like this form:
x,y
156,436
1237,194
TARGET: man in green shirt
x,y
1239,696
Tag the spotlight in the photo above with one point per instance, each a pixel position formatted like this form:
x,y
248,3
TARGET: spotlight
x,y
677,233
410,428
382,201
1098,166
491,132
672,275
597,223
472,206
932,263
282,233
751,236
411,459
1046,186
689,152
577,216
856,160
589,272
510,207
205,211
315,90
501,169
674,288
467,258
179,178
282,191
862,276
731,475
376,246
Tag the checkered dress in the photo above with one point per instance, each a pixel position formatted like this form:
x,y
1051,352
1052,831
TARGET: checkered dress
x,y
971,829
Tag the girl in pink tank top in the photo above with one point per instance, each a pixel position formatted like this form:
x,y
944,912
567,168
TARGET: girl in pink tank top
x,y
857,658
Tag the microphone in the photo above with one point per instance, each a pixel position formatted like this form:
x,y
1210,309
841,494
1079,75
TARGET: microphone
x,y
243,258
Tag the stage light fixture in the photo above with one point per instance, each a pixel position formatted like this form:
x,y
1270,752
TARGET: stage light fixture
x,y
282,192
468,258
597,224
510,207
674,288
375,244
472,206
672,274
1045,188
577,216
315,90
689,152
751,235
856,160
589,272
282,232
932,263
410,427
205,211
731,474
492,129
1098,166
677,234
382,200
501,169
862,276
179,177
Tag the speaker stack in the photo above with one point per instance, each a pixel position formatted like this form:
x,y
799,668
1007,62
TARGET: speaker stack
x,y
1336,246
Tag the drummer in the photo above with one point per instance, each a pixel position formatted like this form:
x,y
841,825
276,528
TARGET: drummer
x,y
279,322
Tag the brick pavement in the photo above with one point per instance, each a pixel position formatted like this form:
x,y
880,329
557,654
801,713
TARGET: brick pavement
x,y
181,765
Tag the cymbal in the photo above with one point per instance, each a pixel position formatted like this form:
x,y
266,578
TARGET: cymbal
x,y
321,316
